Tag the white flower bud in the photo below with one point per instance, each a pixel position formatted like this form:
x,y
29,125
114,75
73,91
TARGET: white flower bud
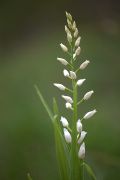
x,y
68,99
67,30
66,73
89,114
78,50
64,121
82,136
69,16
84,64
88,95
74,26
67,136
81,153
69,24
80,82
79,126
68,105
74,56
63,61
72,75
64,48
77,42
76,33
59,86
69,37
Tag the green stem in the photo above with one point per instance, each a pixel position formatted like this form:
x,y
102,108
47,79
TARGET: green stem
x,y
82,170
82,100
74,149
74,165
74,134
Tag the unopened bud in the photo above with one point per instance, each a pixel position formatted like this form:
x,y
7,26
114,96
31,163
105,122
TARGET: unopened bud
x,y
67,136
76,33
69,16
77,42
88,95
74,26
74,56
69,23
81,153
68,105
78,50
69,37
72,75
79,126
67,30
60,86
89,114
64,48
68,99
82,136
80,82
64,121
84,64
66,73
63,61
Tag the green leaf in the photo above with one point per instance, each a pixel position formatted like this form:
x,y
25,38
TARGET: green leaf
x,y
62,151
89,170
29,177
44,103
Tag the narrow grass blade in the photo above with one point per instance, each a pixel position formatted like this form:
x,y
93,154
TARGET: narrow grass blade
x,y
44,103
89,170
62,151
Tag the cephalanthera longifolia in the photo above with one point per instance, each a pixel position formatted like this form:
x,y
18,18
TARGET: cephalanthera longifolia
x,y
70,136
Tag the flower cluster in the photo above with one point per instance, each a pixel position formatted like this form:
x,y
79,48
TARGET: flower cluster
x,y
71,102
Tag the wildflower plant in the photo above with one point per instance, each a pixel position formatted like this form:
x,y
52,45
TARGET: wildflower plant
x,y
70,137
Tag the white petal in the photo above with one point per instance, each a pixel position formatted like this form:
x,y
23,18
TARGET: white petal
x,y
79,126
81,153
67,136
64,48
66,73
59,86
73,75
63,61
82,136
69,16
77,42
88,95
80,82
69,37
89,114
66,29
76,33
64,121
74,56
84,64
69,23
74,26
78,50
68,105
68,99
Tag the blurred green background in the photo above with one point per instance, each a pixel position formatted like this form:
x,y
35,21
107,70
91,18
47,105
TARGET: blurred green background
x,y
30,33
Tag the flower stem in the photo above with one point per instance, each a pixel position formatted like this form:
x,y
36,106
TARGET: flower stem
x,y
74,165
74,133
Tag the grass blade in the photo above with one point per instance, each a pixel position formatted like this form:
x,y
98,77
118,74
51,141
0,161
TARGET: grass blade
x,y
89,170
62,151
44,103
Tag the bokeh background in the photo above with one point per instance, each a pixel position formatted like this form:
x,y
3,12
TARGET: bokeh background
x,y
30,33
